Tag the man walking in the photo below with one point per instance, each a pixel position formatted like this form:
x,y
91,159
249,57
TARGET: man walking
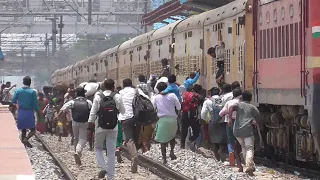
x,y
80,108
26,98
103,115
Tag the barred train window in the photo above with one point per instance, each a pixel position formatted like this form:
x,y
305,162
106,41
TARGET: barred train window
x,y
214,66
227,64
240,59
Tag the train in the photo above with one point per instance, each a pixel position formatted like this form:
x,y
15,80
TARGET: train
x,y
271,47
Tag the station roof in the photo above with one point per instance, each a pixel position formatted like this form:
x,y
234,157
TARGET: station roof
x,y
181,8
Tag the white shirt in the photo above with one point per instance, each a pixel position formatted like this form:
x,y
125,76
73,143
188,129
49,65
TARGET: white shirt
x,y
96,106
166,105
162,79
225,98
127,94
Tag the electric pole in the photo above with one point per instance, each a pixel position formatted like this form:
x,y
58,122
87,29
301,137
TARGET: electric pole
x,y
54,33
22,55
46,44
145,12
60,26
89,11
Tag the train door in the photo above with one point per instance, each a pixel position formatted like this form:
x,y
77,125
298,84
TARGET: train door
x,y
233,65
209,60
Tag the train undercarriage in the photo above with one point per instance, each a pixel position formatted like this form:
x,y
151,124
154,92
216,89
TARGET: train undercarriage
x,y
287,137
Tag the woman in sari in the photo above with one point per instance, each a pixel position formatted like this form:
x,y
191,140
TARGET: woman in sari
x,y
41,123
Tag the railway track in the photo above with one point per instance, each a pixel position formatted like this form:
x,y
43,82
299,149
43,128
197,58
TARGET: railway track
x,y
67,173
288,168
151,165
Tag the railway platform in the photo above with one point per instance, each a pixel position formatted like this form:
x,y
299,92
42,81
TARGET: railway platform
x,y
14,160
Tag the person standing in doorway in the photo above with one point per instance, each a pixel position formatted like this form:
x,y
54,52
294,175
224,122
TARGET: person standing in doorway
x,y
103,116
26,99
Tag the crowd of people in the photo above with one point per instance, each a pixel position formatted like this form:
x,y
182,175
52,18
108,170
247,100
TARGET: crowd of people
x,y
135,116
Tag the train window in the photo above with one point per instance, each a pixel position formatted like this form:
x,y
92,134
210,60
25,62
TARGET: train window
x,y
268,17
124,61
190,34
139,58
296,39
159,52
240,59
88,69
261,43
287,40
185,48
279,42
283,41
291,41
282,13
268,43
275,15
227,64
264,44
300,8
219,35
260,19
291,11
271,43
185,35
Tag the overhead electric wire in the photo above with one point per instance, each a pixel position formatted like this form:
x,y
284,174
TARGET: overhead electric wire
x,y
16,21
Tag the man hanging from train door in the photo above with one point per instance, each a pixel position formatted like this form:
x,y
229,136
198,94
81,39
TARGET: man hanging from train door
x,y
217,53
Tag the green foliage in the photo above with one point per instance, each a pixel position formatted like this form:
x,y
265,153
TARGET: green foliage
x,y
90,44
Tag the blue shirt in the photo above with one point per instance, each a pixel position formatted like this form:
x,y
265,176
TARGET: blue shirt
x,y
173,88
26,99
189,82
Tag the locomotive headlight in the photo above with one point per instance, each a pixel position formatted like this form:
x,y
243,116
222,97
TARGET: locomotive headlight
x,y
249,8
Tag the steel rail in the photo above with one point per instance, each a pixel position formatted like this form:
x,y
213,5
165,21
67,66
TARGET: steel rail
x,y
289,168
62,166
156,167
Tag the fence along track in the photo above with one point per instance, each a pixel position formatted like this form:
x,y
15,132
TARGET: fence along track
x,y
62,166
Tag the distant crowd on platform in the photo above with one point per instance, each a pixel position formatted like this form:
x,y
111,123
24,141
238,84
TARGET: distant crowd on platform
x,y
154,110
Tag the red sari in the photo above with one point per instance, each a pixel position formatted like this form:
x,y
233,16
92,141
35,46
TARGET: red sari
x,y
41,123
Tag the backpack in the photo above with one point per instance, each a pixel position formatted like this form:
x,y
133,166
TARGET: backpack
x,y
80,110
143,110
216,108
107,112
190,102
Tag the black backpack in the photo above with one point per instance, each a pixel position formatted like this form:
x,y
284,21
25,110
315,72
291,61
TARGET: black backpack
x,y
143,110
107,112
80,110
